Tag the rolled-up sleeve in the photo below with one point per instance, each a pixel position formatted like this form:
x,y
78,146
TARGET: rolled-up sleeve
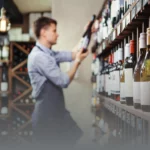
x,y
46,66
63,56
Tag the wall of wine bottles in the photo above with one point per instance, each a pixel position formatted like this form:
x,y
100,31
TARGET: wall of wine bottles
x,y
16,103
120,67
21,99
5,91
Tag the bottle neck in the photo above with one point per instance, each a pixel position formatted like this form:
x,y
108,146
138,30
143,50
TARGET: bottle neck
x,y
148,47
142,51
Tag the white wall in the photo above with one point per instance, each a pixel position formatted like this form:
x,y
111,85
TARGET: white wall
x,y
72,16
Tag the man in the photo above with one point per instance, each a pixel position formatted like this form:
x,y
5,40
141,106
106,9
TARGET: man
x,y
52,123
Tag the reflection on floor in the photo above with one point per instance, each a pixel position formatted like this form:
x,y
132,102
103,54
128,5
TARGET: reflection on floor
x,y
118,127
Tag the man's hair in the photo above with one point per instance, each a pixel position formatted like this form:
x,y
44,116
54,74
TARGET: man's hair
x,y
40,23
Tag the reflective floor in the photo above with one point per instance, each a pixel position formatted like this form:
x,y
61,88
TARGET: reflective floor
x,y
119,128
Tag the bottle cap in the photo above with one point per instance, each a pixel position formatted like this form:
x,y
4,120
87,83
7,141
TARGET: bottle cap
x,y
132,46
110,59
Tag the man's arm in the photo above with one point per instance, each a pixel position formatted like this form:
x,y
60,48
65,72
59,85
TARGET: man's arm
x,y
80,56
66,56
52,72
47,67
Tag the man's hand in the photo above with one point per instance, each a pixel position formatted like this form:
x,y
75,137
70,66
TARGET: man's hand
x,y
80,56
74,53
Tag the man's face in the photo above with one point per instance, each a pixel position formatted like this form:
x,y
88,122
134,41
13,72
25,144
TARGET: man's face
x,y
50,34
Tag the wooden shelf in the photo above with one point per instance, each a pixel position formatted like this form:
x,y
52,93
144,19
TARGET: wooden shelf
x,y
129,28
31,41
19,66
24,126
130,109
22,95
5,61
21,73
7,92
21,112
4,116
24,105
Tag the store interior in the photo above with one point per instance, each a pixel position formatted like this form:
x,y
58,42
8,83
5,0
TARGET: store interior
x,y
109,97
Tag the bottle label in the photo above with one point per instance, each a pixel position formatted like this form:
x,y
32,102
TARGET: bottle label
x,y
128,19
109,84
116,76
123,24
85,42
136,92
147,67
97,65
133,13
4,86
120,54
106,82
145,93
129,82
122,89
5,53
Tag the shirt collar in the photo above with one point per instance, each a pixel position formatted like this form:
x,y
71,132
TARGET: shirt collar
x,y
45,49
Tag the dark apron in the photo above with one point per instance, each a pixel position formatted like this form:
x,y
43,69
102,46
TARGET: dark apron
x,y
52,123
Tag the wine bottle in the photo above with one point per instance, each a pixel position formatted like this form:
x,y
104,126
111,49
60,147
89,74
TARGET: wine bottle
x,y
107,80
30,133
87,35
115,73
123,84
129,66
27,101
145,78
114,12
5,50
125,5
116,86
101,79
136,83
105,73
111,74
1,47
93,69
4,110
122,75
25,133
4,80
129,3
108,77
119,59
33,101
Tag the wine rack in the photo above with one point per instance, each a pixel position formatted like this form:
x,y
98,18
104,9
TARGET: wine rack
x,y
124,27
5,77
22,103
128,125
4,131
